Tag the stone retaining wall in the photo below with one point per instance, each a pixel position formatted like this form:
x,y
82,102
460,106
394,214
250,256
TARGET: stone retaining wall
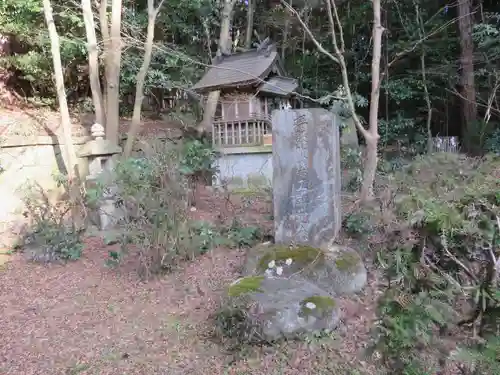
x,y
27,160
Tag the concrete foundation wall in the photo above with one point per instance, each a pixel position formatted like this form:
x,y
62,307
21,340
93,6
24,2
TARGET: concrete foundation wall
x,y
245,167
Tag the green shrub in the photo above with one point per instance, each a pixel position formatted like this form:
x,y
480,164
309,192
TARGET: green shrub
x,y
207,236
55,242
243,236
448,209
197,157
351,161
492,143
356,223
481,358
52,236
153,193
403,131
407,324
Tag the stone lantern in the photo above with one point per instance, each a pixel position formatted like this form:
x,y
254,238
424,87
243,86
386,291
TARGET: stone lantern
x,y
99,153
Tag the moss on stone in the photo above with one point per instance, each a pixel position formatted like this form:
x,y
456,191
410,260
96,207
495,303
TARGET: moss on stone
x,y
347,261
304,255
323,305
245,285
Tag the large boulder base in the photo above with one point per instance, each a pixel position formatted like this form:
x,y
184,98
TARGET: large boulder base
x,y
289,291
338,271
281,308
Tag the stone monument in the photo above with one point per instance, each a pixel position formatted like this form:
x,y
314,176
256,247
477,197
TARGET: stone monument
x,y
290,290
306,176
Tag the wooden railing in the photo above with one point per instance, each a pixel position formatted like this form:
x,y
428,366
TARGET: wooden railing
x,y
240,133
254,116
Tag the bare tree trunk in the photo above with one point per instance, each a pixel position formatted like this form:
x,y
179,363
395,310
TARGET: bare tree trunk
x,y
223,49
469,105
61,91
249,33
113,73
73,187
209,112
372,137
95,85
103,21
286,31
427,101
285,39
225,28
141,77
424,80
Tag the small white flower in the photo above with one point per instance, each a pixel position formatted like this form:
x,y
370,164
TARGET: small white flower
x,y
271,264
279,271
310,305
288,261
269,272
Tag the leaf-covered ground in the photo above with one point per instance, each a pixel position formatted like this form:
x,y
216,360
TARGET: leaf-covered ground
x,y
86,318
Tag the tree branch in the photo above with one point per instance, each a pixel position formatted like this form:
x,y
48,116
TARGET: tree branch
x,y
339,58
308,32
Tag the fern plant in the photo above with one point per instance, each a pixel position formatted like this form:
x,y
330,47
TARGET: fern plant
x,y
482,358
406,326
